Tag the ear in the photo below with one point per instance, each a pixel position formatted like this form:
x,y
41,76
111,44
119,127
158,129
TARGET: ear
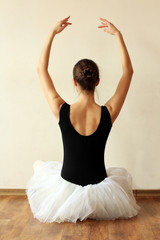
x,y
98,82
75,83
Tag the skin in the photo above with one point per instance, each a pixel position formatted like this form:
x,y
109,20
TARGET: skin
x,y
85,113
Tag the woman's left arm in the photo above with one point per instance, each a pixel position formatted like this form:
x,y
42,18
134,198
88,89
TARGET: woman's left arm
x,y
53,98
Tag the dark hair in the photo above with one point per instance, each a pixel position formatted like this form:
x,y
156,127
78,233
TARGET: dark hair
x,y
86,73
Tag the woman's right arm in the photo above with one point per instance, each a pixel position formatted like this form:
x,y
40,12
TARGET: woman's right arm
x,y
115,103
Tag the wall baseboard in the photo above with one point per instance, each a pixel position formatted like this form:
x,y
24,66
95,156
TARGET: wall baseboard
x,y
12,191
138,193
146,193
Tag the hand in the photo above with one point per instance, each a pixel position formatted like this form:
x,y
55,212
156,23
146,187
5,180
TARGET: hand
x,y
61,25
108,27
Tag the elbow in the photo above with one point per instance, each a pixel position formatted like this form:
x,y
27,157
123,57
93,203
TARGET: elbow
x,y
132,71
128,71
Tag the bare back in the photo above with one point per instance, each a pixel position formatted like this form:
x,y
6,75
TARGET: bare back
x,y
85,120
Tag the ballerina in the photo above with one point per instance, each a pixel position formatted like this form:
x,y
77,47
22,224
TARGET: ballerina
x,y
81,187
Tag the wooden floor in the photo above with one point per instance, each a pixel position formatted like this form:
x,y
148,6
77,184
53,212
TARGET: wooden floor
x,y
17,223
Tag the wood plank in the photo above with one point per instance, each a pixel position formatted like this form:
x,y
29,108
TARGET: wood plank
x,y
17,223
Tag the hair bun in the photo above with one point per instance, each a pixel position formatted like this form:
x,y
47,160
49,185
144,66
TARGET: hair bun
x,y
87,73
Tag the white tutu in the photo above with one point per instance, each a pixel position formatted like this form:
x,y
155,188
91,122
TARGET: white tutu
x,y
53,199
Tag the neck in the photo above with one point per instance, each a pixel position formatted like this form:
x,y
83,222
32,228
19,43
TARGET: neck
x,y
86,98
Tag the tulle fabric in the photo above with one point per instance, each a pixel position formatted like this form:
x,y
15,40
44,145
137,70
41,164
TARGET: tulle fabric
x,y
53,199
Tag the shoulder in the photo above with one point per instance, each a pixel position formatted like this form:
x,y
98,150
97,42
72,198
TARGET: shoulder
x,y
109,108
56,107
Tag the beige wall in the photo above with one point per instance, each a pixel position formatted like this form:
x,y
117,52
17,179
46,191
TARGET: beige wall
x,y
28,129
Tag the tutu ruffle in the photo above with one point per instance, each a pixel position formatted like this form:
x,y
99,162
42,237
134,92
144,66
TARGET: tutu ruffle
x,y
53,199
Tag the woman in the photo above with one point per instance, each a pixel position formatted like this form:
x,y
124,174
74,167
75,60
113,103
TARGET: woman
x,y
82,188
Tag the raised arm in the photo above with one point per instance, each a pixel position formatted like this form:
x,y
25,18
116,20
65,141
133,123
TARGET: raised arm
x,y
115,103
54,99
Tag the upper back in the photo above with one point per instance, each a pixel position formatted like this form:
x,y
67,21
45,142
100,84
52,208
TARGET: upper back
x,y
85,121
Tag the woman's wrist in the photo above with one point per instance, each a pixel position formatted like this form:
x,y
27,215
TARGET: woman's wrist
x,y
54,32
118,33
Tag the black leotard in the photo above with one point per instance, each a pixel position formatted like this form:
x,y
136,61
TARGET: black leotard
x,y
83,160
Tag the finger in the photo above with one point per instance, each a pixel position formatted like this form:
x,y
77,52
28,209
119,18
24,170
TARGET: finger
x,y
65,19
65,26
67,23
104,20
102,26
